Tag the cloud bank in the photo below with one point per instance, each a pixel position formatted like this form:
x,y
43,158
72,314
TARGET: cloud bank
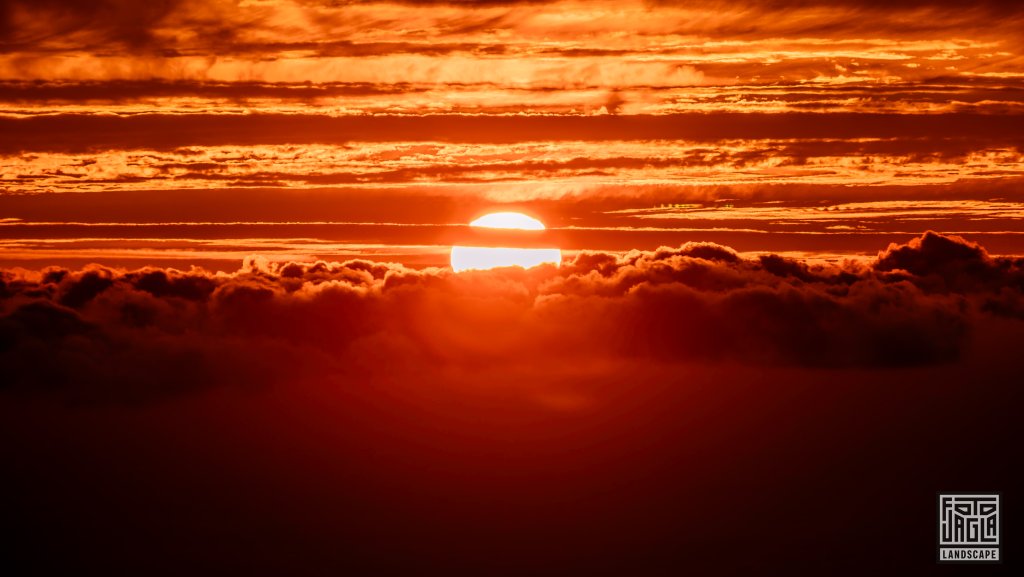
x,y
106,334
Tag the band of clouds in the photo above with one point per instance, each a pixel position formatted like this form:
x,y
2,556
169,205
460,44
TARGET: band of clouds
x,y
172,25
546,44
104,334
818,161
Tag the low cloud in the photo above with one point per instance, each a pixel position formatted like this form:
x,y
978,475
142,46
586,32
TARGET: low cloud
x,y
101,333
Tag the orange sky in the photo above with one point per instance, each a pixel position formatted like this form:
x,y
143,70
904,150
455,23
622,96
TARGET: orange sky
x,y
776,125
789,307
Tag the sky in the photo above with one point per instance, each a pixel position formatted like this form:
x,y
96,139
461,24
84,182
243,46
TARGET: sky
x,y
305,130
787,314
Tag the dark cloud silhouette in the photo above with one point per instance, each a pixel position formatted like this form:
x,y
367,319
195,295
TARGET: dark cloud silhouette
x,y
954,262
108,334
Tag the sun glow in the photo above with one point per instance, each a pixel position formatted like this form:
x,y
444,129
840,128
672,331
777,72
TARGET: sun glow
x,y
516,220
483,258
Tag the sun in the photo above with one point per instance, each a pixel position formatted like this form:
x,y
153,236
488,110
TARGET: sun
x,y
508,220
483,258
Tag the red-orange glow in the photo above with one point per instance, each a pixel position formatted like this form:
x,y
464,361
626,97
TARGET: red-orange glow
x,y
276,297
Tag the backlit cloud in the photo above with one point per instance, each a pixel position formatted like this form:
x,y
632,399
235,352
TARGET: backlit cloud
x,y
104,333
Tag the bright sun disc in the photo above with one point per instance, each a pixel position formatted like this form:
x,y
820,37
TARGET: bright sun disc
x,y
508,220
483,258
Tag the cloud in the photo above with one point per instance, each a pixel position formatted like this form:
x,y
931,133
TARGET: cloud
x,y
85,132
548,45
951,261
112,26
101,333
817,161
172,25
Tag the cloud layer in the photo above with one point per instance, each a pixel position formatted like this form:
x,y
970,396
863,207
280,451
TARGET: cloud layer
x,y
104,333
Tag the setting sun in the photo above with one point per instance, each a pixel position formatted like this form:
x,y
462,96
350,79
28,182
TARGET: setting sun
x,y
516,220
483,258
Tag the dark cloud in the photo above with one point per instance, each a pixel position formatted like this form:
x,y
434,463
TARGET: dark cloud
x,y
951,261
115,26
109,334
94,21
82,132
